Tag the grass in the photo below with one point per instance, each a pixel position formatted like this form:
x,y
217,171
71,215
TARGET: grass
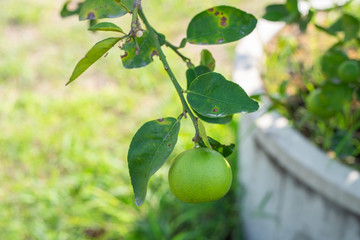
x,y
63,149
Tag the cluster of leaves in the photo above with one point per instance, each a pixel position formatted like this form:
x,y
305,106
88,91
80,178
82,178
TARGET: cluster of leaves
x,y
333,102
212,98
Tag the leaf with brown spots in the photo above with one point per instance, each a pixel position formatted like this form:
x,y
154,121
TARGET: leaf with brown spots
x,y
98,9
145,56
149,149
221,24
207,59
212,96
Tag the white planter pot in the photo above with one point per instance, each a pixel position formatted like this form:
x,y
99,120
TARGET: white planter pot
x,y
293,190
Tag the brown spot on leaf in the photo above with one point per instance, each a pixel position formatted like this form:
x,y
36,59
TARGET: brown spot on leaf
x,y
91,16
160,120
211,9
223,21
125,55
216,13
154,53
215,110
169,145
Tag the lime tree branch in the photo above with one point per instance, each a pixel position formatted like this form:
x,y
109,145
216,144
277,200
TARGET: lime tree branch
x,y
176,84
135,24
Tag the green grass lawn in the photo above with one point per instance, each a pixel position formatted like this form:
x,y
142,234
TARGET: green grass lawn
x,y
63,149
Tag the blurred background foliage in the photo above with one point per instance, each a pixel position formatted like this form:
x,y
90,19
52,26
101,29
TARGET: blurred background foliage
x,y
63,169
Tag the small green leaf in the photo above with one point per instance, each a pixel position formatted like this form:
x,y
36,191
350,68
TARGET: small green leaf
x,y
221,24
203,135
207,59
149,149
331,60
225,150
92,22
333,29
222,120
193,73
212,96
183,43
347,24
106,26
98,9
161,38
351,26
287,12
292,6
65,12
304,21
96,52
276,12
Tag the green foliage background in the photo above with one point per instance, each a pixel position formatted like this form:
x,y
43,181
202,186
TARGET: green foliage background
x,y
63,170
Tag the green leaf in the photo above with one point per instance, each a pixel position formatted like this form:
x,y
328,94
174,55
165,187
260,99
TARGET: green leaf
x,y
331,60
96,52
203,134
193,73
65,12
183,43
221,24
92,22
347,23
106,26
145,55
336,27
292,6
161,38
276,12
222,120
225,150
149,149
351,26
287,12
304,22
98,9
207,59
212,96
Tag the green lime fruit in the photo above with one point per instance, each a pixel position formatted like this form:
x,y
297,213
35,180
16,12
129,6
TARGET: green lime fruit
x,y
318,104
349,71
200,175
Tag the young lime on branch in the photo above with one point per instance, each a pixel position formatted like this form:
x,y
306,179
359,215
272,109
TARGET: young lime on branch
x,y
202,173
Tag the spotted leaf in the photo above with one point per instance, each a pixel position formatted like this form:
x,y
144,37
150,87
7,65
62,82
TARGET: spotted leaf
x,y
149,149
98,9
212,96
221,24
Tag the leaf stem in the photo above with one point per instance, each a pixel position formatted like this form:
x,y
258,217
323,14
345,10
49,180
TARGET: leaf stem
x,y
176,84
175,49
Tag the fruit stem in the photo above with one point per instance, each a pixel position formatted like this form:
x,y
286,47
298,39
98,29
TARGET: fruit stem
x,y
176,84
